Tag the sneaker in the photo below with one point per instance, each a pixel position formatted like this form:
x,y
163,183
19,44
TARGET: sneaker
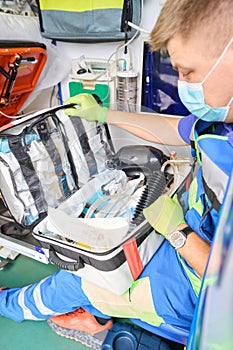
x,y
2,288
81,326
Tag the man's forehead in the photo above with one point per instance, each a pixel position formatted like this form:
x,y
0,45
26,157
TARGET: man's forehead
x,y
182,52
176,52
178,46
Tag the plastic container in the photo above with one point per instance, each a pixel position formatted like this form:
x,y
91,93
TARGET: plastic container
x,y
126,91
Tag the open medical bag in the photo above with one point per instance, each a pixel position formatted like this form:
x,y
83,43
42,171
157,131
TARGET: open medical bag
x,y
60,178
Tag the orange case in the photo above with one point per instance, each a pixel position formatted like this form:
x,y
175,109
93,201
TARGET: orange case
x,y
22,62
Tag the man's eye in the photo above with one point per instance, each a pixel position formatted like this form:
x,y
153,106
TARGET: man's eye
x,y
185,74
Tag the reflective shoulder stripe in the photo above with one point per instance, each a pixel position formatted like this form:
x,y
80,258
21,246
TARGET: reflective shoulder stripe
x,y
210,280
192,203
216,168
194,280
194,143
225,138
212,196
80,6
26,311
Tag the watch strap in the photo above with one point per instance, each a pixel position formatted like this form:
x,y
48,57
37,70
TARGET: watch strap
x,y
187,230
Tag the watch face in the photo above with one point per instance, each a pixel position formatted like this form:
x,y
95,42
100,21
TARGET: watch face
x,y
177,239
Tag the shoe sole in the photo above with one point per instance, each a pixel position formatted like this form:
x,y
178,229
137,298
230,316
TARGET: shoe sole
x,y
86,339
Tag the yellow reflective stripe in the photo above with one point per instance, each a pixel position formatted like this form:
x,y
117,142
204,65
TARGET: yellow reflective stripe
x,y
192,203
209,136
141,290
137,302
198,138
80,6
198,153
194,280
195,140
210,281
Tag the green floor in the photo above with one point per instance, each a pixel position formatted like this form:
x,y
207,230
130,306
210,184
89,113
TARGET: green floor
x,y
29,335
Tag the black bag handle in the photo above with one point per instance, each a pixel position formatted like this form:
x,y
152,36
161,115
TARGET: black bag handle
x,y
65,265
49,113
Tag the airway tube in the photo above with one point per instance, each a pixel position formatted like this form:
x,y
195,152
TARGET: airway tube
x,y
154,188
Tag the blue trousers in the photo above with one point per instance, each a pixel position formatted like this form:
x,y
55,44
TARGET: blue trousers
x,y
173,296
60,293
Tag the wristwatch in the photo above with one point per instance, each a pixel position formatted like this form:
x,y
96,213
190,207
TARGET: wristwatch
x,y
178,238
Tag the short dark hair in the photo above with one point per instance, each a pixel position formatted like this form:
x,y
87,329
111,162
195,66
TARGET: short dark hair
x,y
185,16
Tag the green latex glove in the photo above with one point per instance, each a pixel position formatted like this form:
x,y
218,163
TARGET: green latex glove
x,y
164,214
87,108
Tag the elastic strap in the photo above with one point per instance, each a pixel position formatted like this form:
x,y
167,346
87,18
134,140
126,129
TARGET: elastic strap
x,y
28,171
54,156
85,145
133,258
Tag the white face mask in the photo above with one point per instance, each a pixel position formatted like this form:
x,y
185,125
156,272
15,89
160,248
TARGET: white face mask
x,y
192,96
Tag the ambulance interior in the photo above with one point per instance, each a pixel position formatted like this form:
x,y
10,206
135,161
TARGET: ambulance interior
x,y
37,74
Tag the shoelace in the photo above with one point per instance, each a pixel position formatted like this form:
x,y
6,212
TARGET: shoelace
x,y
79,311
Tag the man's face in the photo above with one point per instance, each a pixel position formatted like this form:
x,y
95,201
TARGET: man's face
x,y
192,60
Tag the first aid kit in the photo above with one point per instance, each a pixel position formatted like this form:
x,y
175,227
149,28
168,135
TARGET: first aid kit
x,y
60,178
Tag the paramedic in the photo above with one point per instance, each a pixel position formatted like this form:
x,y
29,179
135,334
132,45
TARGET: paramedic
x,y
199,38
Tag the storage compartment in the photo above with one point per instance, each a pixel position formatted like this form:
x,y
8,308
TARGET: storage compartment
x,y
21,64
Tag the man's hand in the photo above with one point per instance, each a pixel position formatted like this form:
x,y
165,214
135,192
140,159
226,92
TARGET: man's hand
x,y
87,108
164,215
